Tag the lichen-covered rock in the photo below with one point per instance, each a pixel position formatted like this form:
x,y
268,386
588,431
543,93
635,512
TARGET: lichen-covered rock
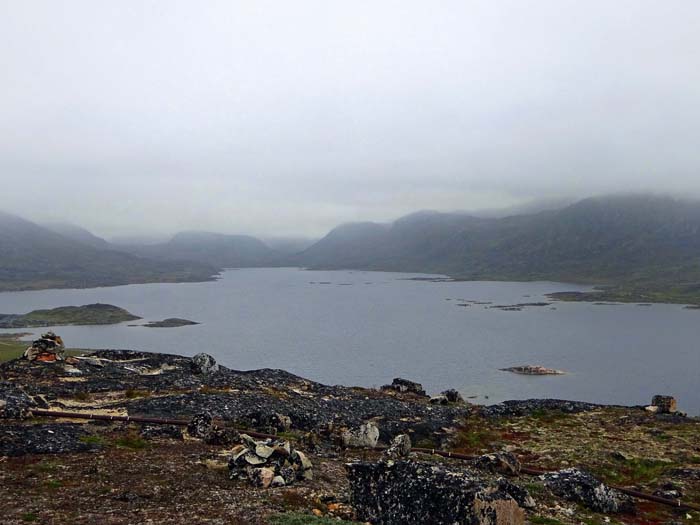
x,y
200,425
204,364
404,386
400,447
396,493
499,462
14,402
581,487
366,436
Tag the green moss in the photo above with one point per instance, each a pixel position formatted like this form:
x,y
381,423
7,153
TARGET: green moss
x,y
92,440
132,442
296,518
544,520
29,517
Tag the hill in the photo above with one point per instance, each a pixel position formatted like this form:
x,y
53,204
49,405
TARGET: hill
x,y
641,247
218,249
34,257
78,234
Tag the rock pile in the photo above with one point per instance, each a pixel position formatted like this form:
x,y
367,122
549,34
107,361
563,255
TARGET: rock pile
x,y
269,463
581,487
400,492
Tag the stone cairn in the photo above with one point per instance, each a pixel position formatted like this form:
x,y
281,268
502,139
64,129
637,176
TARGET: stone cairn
x,y
268,463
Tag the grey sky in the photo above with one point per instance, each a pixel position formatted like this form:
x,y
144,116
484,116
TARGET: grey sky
x,y
291,117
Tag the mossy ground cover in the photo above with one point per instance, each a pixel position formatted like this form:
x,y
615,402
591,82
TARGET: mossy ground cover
x,y
623,447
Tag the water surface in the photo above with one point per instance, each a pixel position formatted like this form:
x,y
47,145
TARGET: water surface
x,y
364,328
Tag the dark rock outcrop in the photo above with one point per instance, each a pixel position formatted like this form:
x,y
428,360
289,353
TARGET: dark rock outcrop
x,y
526,407
581,487
396,493
404,386
14,402
52,438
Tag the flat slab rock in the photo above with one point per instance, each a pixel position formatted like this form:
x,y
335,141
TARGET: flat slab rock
x,y
401,492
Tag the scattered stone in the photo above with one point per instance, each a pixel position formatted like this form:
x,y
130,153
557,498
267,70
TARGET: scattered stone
x,y
161,431
499,462
400,447
366,436
664,404
204,364
581,487
396,493
404,386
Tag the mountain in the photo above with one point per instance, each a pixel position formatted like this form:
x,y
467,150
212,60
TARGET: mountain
x,y
34,257
220,250
76,233
632,242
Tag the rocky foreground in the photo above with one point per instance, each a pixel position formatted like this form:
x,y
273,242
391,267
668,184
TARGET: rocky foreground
x,y
266,446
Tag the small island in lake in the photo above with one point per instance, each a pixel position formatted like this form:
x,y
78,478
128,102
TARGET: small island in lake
x,y
89,314
534,370
171,322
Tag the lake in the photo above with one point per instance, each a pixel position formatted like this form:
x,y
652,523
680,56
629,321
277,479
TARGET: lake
x,y
365,328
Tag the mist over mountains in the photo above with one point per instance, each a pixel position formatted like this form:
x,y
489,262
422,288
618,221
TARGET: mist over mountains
x,y
632,240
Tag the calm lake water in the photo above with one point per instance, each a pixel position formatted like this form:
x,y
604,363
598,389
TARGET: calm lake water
x,y
364,328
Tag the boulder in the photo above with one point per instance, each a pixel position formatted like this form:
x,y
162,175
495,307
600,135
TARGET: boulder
x,y
499,462
400,447
439,400
400,492
404,386
453,396
204,364
664,404
581,487
366,436
200,425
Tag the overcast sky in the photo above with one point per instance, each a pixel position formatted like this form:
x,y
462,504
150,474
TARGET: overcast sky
x,y
289,117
